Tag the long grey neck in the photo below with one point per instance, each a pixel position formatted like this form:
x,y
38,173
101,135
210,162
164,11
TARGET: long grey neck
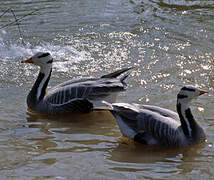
x,y
188,122
38,90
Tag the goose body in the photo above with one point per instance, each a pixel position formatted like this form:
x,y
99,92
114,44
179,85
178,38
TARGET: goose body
x,y
71,96
154,125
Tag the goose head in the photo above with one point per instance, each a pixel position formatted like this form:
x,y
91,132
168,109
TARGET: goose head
x,y
189,92
41,59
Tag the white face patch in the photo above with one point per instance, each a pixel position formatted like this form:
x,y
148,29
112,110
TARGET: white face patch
x,y
187,93
42,59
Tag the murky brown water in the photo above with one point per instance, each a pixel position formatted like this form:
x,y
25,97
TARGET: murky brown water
x,y
169,42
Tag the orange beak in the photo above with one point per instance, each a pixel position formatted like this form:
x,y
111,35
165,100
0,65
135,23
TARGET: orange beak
x,y
27,61
203,92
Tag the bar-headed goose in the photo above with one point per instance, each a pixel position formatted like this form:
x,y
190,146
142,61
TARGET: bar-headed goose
x,y
71,96
154,125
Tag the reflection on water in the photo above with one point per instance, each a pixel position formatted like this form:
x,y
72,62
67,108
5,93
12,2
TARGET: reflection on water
x,y
170,44
77,133
135,157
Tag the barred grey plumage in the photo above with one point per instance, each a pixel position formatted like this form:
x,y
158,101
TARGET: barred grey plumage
x,y
73,96
154,125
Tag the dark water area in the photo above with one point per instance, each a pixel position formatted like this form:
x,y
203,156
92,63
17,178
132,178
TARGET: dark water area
x,y
170,43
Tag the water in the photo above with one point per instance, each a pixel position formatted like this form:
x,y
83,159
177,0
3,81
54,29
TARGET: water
x,y
170,44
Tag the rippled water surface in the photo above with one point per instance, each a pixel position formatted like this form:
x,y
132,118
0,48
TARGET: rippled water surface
x,y
170,43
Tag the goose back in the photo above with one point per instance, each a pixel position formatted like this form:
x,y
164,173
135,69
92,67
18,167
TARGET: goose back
x,y
90,88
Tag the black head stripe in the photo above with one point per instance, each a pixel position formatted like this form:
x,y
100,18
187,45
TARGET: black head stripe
x,y
50,61
180,96
44,55
188,89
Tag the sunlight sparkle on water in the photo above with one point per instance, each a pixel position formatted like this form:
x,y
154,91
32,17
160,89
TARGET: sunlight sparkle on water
x,y
187,71
201,109
206,67
211,145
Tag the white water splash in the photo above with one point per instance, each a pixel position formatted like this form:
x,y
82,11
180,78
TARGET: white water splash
x,y
63,55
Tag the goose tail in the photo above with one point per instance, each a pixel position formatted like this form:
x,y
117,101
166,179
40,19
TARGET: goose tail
x,y
102,105
122,79
116,73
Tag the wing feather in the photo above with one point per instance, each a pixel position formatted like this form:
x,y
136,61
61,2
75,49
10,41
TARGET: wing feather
x,y
164,129
152,120
90,89
74,106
